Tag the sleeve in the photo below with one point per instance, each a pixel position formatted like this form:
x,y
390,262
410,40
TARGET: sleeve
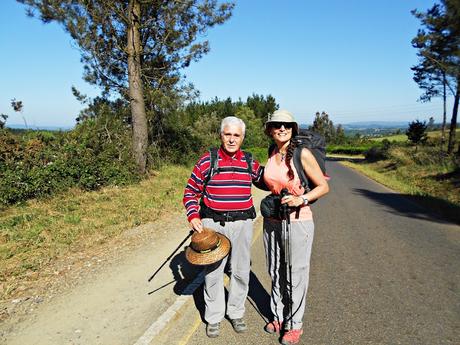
x,y
195,186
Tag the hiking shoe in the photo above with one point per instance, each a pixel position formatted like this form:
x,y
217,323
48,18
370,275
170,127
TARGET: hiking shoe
x,y
212,330
273,327
239,325
291,336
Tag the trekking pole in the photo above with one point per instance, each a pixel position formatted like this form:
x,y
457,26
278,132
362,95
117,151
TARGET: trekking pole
x,y
286,228
289,252
169,257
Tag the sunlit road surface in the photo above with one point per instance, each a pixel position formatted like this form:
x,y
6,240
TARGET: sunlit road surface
x,y
383,271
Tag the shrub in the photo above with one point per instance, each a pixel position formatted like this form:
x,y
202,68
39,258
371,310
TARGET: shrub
x,y
348,149
376,153
37,164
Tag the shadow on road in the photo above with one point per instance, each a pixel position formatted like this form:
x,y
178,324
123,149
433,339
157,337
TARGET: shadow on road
x,y
259,298
189,280
187,277
434,209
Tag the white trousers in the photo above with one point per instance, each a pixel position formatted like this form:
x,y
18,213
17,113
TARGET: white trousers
x,y
301,240
240,235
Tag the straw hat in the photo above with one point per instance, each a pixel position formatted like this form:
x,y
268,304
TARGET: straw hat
x,y
282,115
207,247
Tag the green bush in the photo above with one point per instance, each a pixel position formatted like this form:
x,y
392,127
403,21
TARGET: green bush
x,y
37,164
348,149
376,153
258,153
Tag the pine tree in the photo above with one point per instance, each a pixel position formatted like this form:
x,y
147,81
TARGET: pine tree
x,y
324,126
416,132
135,48
439,56
3,118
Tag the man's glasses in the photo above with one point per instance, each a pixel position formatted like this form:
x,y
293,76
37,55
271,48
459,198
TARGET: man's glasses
x,y
277,125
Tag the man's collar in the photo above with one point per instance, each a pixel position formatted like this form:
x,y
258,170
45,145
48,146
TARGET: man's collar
x,y
237,155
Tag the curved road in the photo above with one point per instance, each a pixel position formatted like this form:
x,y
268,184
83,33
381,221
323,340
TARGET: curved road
x,y
383,271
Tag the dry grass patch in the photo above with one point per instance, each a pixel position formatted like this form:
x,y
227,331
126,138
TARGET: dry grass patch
x,y
40,231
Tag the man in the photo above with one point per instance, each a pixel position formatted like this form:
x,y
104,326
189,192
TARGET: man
x,y
223,202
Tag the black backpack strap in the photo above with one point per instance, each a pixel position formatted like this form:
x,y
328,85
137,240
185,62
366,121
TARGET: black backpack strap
x,y
299,168
213,165
249,161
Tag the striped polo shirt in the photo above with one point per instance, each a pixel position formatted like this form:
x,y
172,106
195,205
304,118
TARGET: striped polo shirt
x,y
228,190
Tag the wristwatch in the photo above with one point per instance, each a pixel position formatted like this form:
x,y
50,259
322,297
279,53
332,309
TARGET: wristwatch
x,y
305,200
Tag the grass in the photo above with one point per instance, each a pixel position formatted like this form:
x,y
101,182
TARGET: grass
x,y
424,173
39,231
397,138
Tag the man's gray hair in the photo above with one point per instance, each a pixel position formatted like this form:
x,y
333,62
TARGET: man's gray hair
x,y
232,120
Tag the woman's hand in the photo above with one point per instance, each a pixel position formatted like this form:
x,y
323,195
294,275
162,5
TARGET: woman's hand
x,y
292,200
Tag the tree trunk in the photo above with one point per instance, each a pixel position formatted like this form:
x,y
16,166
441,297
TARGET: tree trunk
x,y
136,92
444,114
453,121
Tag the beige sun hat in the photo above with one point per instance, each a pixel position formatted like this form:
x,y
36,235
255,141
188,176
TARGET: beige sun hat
x,y
282,115
207,247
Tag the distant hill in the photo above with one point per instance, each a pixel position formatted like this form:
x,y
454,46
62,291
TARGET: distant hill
x,y
372,128
376,124
45,128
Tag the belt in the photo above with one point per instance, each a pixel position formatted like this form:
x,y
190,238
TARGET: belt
x,y
226,216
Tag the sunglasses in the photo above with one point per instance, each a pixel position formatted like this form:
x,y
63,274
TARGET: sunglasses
x,y
277,125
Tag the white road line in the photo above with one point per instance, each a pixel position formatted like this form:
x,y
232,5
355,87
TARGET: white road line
x,y
162,321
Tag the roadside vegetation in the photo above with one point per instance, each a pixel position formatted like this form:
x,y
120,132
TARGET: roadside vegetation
x,y
425,171
35,233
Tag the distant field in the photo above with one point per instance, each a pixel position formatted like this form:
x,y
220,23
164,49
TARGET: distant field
x,y
403,137
397,137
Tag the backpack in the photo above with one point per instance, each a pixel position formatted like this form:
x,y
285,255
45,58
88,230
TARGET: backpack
x,y
214,164
316,143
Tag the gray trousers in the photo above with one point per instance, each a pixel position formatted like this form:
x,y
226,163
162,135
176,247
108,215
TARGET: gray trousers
x,y
301,239
240,235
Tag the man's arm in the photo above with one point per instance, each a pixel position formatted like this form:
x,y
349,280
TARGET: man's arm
x,y
194,191
257,176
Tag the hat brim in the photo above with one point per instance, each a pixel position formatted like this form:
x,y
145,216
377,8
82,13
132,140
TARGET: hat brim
x,y
196,258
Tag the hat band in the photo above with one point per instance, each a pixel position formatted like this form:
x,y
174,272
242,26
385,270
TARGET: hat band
x,y
210,249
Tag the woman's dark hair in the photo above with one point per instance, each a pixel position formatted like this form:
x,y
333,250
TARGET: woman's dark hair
x,y
290,153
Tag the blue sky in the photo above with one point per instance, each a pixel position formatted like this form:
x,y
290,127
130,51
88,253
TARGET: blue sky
x,y
351,59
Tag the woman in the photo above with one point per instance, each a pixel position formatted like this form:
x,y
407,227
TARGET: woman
x,y
280,174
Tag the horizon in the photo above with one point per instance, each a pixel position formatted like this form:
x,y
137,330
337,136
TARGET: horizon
x,y
377,123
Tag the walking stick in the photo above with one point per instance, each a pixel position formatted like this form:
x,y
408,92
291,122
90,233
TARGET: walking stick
x,y
289,250
286,229
169,257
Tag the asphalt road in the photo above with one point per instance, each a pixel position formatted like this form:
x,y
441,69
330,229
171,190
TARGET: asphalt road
x,y
383,271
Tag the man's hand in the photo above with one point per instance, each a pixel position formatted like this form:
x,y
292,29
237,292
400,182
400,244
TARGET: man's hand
x,y
196,224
